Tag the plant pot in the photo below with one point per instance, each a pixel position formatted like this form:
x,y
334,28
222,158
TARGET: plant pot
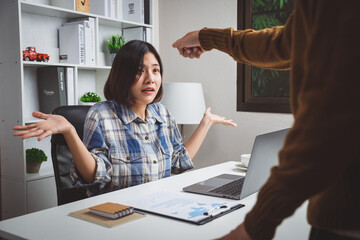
x,y
87,103
110,59
33,167
112,56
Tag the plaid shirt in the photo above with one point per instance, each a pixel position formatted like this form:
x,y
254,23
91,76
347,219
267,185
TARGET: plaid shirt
x,y
128,150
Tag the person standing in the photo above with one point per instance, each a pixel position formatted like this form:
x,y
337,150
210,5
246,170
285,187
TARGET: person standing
x,y
320,159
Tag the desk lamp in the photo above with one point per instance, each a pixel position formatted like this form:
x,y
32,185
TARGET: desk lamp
x,y
185,101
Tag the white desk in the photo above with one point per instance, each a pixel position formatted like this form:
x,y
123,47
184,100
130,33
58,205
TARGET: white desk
x,y
54,223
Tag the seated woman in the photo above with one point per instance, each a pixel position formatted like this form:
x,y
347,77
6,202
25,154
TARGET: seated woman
x,y
131,138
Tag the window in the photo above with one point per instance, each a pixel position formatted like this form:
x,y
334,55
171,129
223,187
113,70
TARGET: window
x,y
260,90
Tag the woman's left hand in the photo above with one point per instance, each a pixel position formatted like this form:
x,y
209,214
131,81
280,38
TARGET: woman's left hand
x,y
216,119
193,144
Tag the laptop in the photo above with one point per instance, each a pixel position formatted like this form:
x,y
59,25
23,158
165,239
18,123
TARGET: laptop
x,y
264,156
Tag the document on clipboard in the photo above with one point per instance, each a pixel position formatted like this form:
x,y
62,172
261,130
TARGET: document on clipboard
x,y
183,206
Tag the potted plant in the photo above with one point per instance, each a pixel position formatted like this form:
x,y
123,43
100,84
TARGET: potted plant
x,y
89,98
34,158
114,43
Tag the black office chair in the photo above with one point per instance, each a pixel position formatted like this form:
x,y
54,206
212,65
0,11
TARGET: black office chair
x,y
61,156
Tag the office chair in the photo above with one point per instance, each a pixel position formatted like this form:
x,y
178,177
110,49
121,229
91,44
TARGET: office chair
x,y
61,156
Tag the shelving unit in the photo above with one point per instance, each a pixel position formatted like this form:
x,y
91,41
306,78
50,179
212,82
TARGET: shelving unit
x,y
35,23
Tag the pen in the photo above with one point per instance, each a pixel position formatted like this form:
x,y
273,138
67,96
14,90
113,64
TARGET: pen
x,y
213,209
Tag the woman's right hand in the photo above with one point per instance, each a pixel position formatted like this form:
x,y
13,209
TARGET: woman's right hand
x,y
52,124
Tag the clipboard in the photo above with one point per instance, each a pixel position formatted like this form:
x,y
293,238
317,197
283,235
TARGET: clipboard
x,y
191,208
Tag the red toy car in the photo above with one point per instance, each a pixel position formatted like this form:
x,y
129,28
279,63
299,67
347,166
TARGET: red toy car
x,y
30,54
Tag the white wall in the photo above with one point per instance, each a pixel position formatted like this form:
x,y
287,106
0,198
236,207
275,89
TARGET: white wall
x,y
217,73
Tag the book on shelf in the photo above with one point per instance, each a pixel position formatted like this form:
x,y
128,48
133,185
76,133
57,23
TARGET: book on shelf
x,y
119,9
128,10
69,79
112,9
88,37
147,12
71,44
133,11
99,7
148,36
106,8
138,33
112,210
51,88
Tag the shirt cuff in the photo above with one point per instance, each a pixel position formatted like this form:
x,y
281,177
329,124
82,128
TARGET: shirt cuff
x,y
181,162
101,178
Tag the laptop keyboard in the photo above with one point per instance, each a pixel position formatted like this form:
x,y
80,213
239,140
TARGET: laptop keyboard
x,y
231,188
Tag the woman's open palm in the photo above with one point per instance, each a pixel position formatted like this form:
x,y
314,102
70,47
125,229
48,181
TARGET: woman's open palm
x,y
216,119
52,124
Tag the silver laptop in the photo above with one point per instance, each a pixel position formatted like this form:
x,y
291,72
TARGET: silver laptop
x,y
264,156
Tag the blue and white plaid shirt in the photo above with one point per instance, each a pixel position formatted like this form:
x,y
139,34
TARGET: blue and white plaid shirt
x,y
128,150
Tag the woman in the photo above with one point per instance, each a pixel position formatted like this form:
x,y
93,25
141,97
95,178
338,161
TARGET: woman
x,y
131,138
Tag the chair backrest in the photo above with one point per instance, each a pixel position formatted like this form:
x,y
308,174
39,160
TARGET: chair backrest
x,y
61,155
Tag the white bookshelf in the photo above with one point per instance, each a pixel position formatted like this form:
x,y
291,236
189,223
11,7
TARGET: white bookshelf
x,y
36,23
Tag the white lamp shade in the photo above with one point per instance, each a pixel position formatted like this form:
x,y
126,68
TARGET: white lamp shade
x,y
185,101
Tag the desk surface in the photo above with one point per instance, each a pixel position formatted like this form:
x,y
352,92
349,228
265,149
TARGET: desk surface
x,y
54,223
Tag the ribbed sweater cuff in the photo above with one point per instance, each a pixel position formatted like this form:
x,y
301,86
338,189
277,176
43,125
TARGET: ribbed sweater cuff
x,y
211,38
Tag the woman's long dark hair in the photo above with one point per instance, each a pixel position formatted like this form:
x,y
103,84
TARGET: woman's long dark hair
x,y
125,69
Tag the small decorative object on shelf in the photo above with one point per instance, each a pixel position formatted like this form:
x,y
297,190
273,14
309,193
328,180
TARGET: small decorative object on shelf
x,y
82,5
34,158
30,54
114,43
89,98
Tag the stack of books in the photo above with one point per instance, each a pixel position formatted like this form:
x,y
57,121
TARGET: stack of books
x,y
129,10
77,42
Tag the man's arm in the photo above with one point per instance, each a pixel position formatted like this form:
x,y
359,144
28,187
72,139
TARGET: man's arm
x,y
268,48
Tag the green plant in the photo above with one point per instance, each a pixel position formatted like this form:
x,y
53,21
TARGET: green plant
x,y
115,42
35,155
267,14
90,97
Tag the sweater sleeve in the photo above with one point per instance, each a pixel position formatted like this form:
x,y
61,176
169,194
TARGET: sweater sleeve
x,y
268,48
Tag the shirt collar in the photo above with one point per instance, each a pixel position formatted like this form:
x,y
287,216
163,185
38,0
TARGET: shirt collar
x,y
153,115
127,115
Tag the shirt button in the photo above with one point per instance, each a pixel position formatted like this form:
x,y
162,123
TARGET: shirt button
x,y
154,161
146,138
127,158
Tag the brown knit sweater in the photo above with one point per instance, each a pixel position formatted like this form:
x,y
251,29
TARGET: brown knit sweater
x,y
320,160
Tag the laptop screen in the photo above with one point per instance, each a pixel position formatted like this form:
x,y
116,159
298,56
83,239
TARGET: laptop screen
x,y
264,156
